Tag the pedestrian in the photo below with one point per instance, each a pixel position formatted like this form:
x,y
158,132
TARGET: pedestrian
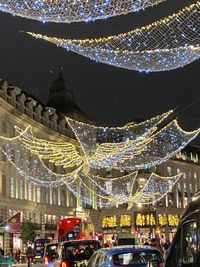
x,y
146,243
18,254
156,244
1,251
166,247
29,255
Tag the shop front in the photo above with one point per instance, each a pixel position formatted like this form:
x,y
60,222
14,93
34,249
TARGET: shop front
x,y
109,230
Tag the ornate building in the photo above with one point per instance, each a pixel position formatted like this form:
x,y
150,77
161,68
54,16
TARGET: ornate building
x,y
44,205
161,218
41,205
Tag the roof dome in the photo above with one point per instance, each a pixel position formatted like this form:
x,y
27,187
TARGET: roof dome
x,y
61,96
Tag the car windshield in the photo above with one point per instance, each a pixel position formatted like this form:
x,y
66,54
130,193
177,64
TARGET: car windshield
x,y
51,251
135,258
78,251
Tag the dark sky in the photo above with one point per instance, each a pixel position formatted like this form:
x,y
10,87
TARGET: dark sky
x,y
109,95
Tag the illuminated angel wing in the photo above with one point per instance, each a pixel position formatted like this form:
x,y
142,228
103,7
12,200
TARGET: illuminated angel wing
x,y
61,154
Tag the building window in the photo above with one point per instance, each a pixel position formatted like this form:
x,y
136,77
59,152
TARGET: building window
x,y
12,187
55,202
196,188
3,155
21,189
47,196
3,127
108,172
3,185
72,200
38,194
169,171
29,191
191,191
63,198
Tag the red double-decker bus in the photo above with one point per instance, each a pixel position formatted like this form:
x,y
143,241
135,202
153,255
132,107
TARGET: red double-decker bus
x,y
74,228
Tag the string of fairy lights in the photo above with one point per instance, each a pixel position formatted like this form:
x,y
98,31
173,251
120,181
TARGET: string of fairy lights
x,y
67,11
164,45
48,163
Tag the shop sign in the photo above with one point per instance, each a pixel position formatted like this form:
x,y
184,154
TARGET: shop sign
x,y
162,220
173,220
170,219
109,222
125,221
145,219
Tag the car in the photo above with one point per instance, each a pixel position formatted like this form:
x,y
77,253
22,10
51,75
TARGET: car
x,y
75,253
184,250
129,256
50,254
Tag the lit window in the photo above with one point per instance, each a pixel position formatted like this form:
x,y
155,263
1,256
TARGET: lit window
x,y
21,189
169,171
29,191
38,194
12,186
54,197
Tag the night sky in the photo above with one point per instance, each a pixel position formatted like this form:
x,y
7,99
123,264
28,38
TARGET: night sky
x,y
109,95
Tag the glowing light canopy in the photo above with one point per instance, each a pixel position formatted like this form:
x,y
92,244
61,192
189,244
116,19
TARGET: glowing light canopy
x,y
129,148
170,43
73,10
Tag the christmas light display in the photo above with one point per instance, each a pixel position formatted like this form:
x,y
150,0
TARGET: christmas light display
x,y
155,189
144,145
154,147
89,136
122,191
73,10
164,45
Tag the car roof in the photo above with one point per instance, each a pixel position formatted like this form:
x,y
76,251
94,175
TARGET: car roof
x,y
52,244
80,241
127,248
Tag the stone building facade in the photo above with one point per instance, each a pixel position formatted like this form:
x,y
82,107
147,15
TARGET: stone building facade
x,y
160,219
45,206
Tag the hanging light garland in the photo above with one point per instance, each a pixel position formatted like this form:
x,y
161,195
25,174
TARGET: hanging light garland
x,y
68,11
164,45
